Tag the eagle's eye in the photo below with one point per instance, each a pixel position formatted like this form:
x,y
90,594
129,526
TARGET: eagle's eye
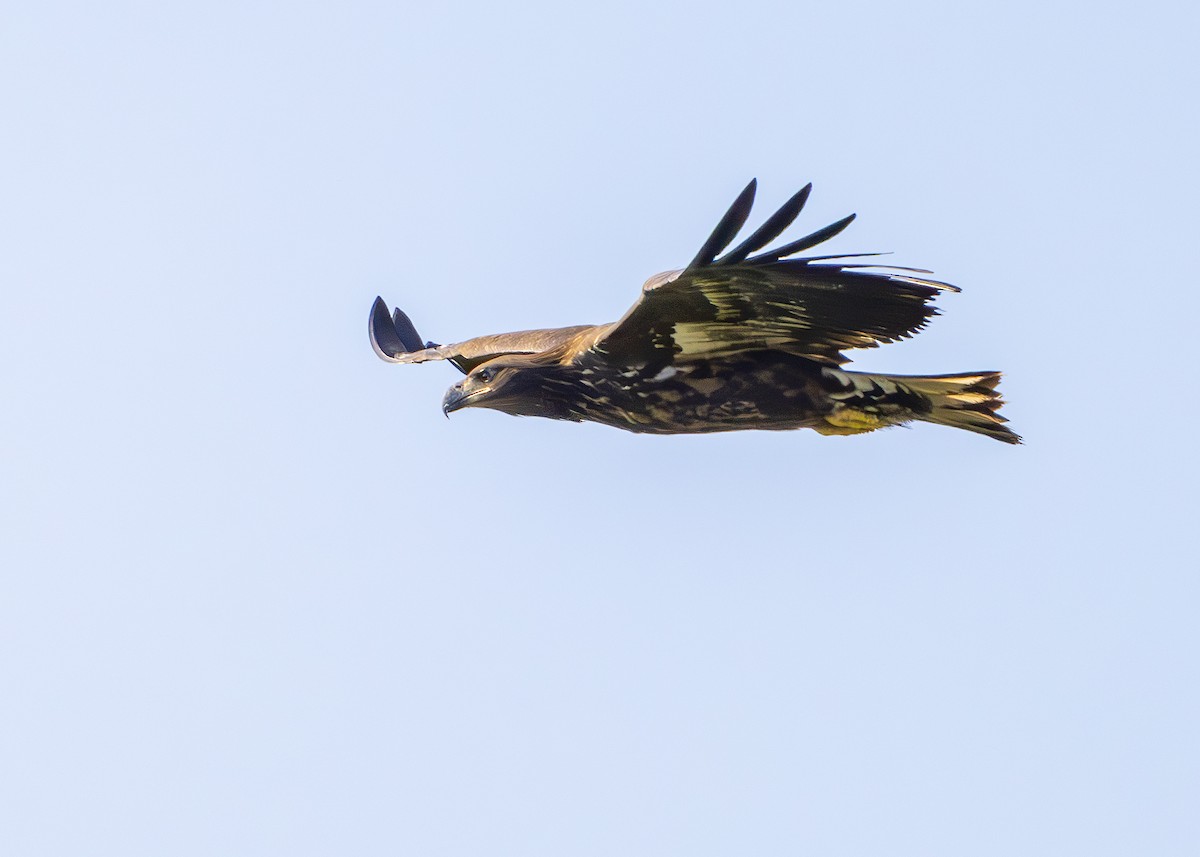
x,y
486,375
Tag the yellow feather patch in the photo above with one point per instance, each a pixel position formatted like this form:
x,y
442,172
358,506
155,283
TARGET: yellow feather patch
x,y
845,420
698,338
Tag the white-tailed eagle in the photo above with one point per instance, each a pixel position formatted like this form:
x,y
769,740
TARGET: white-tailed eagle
x,y
752,339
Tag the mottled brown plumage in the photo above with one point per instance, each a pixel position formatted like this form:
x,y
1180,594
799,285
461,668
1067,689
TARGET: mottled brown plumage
x,y
747,340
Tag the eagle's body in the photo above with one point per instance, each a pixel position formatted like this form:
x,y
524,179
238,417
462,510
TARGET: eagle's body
x,y
756,390
761,390
741,342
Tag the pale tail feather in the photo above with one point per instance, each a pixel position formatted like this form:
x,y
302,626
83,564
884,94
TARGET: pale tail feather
x,y
968,401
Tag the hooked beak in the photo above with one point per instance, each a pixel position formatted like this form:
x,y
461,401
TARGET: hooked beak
x,y
455,399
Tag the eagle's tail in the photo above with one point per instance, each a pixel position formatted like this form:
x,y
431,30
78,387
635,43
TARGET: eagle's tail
x,y
862,402
968,402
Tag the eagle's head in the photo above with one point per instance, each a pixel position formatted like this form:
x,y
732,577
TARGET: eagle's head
x,y
515,384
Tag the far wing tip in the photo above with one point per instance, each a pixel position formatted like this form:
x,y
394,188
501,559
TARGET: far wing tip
x,y
392,333
385,340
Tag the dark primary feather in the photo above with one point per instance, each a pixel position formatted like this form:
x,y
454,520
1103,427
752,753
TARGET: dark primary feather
x,y
406,331
771,229
805,243
728,228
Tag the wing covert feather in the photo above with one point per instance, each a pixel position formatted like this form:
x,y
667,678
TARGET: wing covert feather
x,y
813,307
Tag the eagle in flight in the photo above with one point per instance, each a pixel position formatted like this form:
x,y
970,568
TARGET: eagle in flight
x,y
751,339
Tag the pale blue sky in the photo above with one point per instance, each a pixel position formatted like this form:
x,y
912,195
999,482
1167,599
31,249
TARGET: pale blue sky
x,y
259,597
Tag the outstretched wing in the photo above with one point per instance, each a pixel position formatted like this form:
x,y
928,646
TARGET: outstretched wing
x,y
395,340
813,307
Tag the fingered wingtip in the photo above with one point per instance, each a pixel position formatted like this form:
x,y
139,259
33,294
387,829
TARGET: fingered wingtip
x,y
384,339
392,334
771,229
731,223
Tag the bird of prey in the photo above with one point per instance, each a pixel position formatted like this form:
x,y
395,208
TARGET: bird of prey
x,y
751,339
